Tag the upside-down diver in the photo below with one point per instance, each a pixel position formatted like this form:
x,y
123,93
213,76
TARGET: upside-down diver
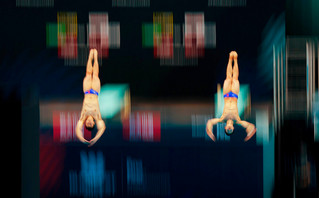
x,y
230,113
90,109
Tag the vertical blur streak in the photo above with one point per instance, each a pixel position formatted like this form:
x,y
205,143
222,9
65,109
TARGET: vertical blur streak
x,y
311,63
301,76
35,3
143,183
92,173
265,138
67,35
194,34
274,84
114,35
210,34
262,124
282,58
309,66
268,159
93,180
219,100
304,172
278,87
227,3
316,126
278,69
315,105
142,126
98,36
221,135
272,58
199,126
163,34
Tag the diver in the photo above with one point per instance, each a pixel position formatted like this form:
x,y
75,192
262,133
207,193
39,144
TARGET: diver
x,y
230,113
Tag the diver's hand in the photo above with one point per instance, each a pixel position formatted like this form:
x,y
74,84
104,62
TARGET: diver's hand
x,y
81,139
92,142
101,128
84,141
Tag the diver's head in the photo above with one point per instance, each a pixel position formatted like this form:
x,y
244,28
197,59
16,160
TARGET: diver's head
x,y
89,123
229,128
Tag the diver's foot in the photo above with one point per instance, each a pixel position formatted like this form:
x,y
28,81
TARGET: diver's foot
x,y
233,54
91,54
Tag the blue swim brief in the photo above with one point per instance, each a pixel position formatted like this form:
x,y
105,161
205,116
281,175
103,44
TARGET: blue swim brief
x,y
230,95
91,91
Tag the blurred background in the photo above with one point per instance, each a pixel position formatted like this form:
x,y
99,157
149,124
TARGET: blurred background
x,y
162,67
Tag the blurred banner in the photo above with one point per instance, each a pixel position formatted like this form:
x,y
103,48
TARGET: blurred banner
x,y
143,126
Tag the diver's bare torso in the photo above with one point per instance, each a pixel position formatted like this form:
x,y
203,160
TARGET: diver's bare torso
x,y
90,107
230,110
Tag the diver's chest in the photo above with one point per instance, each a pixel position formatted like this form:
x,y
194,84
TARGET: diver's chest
x,y
231,113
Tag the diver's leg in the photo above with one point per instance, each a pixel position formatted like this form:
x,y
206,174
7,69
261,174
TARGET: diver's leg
x,y
235,68
89,67
229,71
96,64
96,83
87,81
235,83
228,81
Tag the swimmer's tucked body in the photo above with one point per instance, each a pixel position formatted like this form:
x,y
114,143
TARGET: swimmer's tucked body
x,y
90,109
230,112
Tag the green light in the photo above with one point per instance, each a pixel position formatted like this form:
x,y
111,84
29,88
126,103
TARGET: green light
x,y
147,35
52,35
52,32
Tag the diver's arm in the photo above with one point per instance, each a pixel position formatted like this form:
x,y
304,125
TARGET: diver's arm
x,y
250,128
79,133
209,127
101,128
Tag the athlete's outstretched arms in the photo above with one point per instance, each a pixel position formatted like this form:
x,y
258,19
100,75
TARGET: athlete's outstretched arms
x,y
209,127
101,128
250,129
79,133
